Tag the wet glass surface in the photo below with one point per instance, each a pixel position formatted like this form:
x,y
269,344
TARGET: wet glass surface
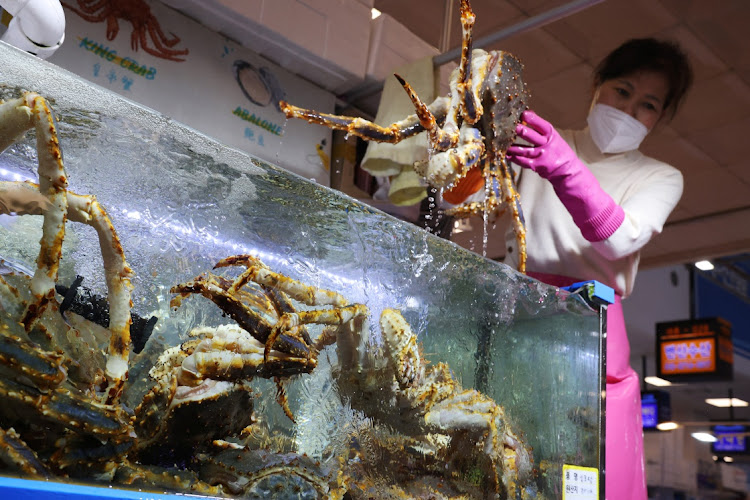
x,y
180,202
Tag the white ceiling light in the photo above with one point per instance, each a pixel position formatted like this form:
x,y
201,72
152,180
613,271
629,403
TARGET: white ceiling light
x,y
725,402
660,382
704,437
704,265
667,426
375,13
728,460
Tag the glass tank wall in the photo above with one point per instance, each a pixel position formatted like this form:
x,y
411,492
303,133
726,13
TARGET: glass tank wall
x,y
498,391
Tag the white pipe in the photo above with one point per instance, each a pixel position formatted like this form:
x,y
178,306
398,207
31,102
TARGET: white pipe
x,y
38,26
529,24
445,35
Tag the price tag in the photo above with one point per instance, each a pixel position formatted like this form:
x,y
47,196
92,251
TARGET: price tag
x,y
580,483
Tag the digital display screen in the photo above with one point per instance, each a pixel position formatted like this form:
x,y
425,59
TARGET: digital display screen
x,y
684,356
655,409
730,439
649,411
694,350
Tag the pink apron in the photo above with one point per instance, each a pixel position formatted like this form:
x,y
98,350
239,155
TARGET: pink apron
x,y
625,477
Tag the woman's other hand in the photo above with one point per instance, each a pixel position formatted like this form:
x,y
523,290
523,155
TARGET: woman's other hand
x,y
547,154
593,210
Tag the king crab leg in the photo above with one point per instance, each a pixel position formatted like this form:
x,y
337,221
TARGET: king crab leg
x,y
86,209
365,129
471,104
216,289
17,455
469,129
449,161
512,200
261,274
17,116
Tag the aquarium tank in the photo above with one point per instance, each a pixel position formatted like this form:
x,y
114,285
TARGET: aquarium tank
x,y
181,317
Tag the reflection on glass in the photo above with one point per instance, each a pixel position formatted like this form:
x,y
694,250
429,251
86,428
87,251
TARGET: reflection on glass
x,y
520,360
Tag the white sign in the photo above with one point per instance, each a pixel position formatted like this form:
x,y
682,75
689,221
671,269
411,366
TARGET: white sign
x,y
158,57
733,477
580,483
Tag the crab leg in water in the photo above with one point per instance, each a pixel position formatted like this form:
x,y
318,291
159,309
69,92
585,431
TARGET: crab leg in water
x,y
17,116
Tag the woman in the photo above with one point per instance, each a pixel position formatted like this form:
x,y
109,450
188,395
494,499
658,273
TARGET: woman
x,y
592,201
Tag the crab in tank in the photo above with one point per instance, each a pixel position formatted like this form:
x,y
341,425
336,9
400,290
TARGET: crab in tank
x,y
468,131
56,383
64,378
448,441
272,339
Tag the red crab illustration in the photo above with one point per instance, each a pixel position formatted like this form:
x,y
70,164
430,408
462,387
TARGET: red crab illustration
x,y
145,26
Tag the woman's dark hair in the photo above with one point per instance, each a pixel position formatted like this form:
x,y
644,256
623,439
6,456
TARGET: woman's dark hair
x,y
649,54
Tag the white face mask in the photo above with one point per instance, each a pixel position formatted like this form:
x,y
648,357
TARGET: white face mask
x,y
614,131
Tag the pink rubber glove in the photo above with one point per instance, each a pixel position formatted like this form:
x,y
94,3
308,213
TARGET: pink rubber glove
x,y
594,211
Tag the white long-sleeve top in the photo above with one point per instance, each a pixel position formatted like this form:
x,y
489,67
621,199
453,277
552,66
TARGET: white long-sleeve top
x,y
646,189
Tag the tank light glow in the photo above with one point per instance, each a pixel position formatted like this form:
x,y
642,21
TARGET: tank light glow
x,y
13,176
704,265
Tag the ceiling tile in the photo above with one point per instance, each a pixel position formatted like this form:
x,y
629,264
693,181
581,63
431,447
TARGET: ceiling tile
x,y
681,154
658,137
705,62
542,55
742,170
744,73
445,77
424,20
725,98
695,10
723,27
700,238
714,190
680,213
593,32
725,142
564,98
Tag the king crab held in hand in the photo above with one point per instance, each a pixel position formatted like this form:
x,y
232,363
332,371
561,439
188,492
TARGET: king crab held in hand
x,y
469,129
